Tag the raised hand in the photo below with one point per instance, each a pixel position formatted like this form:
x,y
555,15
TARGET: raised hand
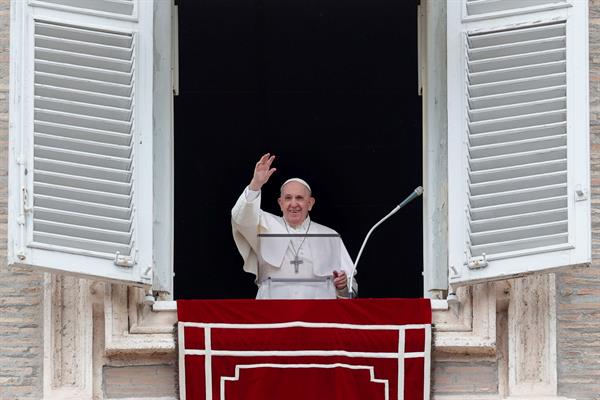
x,y
262,172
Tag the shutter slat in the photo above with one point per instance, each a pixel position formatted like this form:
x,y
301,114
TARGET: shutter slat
x,y
517,85
60,228
517,48
82,207
86,85
80,157
515,61
71,168
84,35
85,195
524,96
526,157
514,110
526,145
521,244
83,121
105,51
477,7
86,146
83,220
514,221
82,133
121,7
512,135
100,185
521,121
82,60
519,195
515,171
87,110
80,243
83,72
535,32
518,208
521,232
509,74
521,182
82,96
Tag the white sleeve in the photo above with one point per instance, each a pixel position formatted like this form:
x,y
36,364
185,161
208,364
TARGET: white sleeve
x,y
251,195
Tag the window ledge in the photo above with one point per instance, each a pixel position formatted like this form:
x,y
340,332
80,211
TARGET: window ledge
x,y
131,327
164,305
439,305
468,326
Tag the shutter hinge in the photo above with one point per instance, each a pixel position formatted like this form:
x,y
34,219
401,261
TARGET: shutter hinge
x,y
478,262
580,193
26,207
124,261
147,274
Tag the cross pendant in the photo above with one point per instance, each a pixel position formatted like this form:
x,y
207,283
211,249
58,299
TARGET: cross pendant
x,y
296,262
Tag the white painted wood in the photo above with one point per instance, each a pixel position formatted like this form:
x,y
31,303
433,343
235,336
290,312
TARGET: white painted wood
x,y
518,141
163,149
81,141
435,160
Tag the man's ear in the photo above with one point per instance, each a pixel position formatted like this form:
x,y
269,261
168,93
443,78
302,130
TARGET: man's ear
x,y
311,203
279,201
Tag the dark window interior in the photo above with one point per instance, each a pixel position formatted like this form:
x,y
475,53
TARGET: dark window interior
x,y
330,88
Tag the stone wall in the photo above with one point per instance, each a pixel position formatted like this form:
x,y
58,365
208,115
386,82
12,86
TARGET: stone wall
x,y
20,290
578,290
578,301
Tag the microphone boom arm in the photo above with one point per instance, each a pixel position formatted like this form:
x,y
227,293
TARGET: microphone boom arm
x,y
416,193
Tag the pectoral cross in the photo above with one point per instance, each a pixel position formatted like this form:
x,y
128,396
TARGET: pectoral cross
x,y
296,263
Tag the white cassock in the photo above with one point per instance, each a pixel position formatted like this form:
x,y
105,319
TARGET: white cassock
x,y
269,258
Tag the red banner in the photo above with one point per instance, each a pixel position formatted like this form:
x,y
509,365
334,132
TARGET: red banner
x,y
304,349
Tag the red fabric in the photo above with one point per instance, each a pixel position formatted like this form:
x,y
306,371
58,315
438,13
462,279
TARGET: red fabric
x,y
300,375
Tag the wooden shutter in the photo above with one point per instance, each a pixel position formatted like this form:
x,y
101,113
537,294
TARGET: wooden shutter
x,y
80,188
520,200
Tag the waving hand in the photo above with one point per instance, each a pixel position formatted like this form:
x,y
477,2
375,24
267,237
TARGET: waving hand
x,y
262,172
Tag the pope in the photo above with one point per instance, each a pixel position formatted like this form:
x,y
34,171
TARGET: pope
x,y
291,256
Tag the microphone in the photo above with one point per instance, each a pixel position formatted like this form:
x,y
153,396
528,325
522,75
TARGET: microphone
x,y
415,193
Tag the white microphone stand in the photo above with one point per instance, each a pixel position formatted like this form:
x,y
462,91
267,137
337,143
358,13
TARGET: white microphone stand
x,y
416,193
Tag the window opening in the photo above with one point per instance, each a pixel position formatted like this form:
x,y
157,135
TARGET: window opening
x,y
331,89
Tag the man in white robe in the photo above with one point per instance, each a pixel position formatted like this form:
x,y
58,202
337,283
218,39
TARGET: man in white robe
x,y
291,256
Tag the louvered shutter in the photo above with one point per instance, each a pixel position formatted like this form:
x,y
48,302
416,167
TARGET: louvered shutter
x,y
518,138
80,190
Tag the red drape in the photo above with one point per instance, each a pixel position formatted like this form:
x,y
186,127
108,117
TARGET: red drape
x,y
305,349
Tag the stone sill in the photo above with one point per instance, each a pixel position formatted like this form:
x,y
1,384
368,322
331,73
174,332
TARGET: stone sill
x,y
157,333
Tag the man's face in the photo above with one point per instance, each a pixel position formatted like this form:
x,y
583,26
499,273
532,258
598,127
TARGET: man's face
x,y
295,203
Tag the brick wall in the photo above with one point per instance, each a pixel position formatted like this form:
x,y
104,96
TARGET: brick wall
x,y
20,290
578,290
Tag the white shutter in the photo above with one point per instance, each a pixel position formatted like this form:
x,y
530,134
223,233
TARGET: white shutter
x,y
518,129
80,190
